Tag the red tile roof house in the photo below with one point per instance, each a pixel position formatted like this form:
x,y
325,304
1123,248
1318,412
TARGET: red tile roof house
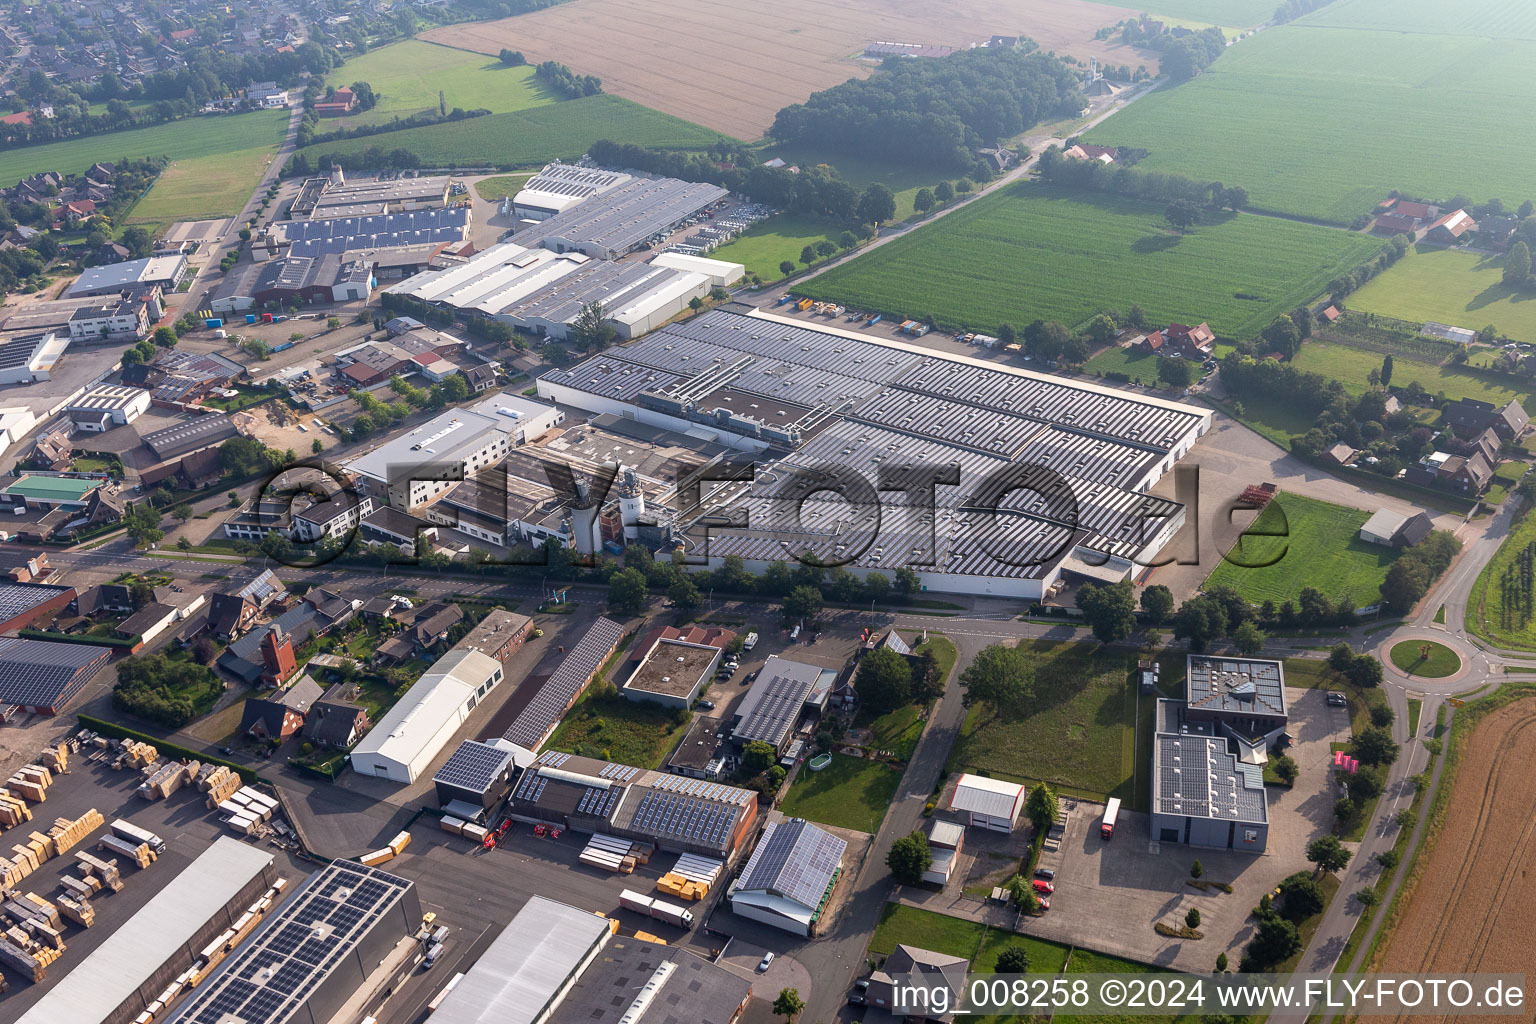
x,y
1190,342
338,105
1415,211
74,212
1395,224
1450,229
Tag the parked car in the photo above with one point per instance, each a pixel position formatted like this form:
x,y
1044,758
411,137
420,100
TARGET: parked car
x,y
1045,904
859,994
1043,887
1337,699
766,962
707,705
1049,874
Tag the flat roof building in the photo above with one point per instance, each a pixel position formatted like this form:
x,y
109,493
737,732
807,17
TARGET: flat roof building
x,y
190,435
781,694
42,676
623,218
106,406
662,981
1202,794
309,958
522,976
411,733
411,469
27,360
789,878
121,977
478,775
111,279
368,198
672,674
559,187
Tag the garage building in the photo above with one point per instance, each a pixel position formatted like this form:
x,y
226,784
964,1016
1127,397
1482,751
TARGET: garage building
x,y
992,804
108,405
411,733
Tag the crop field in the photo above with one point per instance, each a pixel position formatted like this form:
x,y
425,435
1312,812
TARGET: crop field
x,y
533,136
1321,548
1484,604
1322,90
1028,252
1352,367
733,64
407,76
184,140
1463,289
1483,853
1228,13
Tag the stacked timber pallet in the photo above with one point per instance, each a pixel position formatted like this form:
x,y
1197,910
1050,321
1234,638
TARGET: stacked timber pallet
x,y
105,870
140,854
55,758
26,857
65,834
168,779
31,782
76,909
211,955
220,784
452,825
25,955
388,853
611,854
691,878
13,809
140,755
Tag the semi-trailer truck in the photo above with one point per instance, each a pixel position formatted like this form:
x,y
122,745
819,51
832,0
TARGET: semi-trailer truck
x,y
1111,812
134,834
671,913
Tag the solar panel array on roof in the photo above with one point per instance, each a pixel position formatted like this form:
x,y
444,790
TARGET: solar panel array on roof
x,y
574,672
20,598
42,674
475,766
1199,777
776,709
272,976
794,859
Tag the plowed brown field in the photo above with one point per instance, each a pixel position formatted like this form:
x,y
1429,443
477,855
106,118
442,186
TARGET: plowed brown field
x,y
732,64
1476,895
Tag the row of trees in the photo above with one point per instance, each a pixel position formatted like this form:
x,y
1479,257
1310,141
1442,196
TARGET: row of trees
x,y
935,112
567,82
1124,180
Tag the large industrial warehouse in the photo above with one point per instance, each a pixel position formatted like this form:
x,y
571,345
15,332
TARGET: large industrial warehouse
x,y
622,219
1067,463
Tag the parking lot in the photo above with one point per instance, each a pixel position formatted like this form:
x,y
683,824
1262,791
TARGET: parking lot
x,y
1110,894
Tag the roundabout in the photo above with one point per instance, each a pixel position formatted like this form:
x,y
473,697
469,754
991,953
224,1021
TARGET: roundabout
x,y
1425,659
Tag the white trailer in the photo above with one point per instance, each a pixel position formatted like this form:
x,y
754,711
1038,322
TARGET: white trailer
x,y
672,913
136,835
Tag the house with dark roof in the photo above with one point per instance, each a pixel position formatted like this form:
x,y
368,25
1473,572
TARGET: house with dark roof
x,y
432,622
935,971
336,720
1469,417
1395,224
280,714
481,377
1396,530
1340,454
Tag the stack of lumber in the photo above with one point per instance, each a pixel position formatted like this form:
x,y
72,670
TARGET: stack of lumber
x,y
451,825
76,909
211,955
682,888
80,888
25,955
106,870
168,780
13,810
32,782
140,755
140,854
65,834
55,758
220,785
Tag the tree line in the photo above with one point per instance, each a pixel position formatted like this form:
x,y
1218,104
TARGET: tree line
x,y
1126,180
567,82
934,112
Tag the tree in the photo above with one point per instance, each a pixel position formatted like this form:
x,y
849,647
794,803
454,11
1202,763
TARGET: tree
x,y
1101,330
592,329
1157,602
1221,963
923,201
1365,671
1276,939
1301,896
165,337
1365,783
1109,610
1386,372
1388,859
786,267
1282,336
1176,373
512,58
203,651
909,858
1041,806
877,205
316,446
1382,714
1248,639
1012,960
1196,870
802,603
1341,656
1367,897
826,248
944,192
142,523
884,681
1328,854
1286,769
1374,746
1181,214
626,592
1001,677
808,255
1200,620
1192,919
684,593
758,756
1517,265
788,1005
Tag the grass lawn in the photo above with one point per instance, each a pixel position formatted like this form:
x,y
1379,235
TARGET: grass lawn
x,y
763,246
407,76
493,188
851,792
1079,733
625,731
959,937
896,731
1409,656
536,135
1139,366
1463,289
1415,709
1362,64
1352,366
184,140
1320,547
1485,616
1029,251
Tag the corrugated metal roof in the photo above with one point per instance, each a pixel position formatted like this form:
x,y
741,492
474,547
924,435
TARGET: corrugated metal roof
x,y
980,795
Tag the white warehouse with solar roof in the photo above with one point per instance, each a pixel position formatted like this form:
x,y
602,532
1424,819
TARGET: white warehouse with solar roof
x,y
422,722
789,878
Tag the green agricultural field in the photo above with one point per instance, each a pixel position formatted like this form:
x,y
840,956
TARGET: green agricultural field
x,y
1463,289
407,76
1485,615
534,136
1227,13
1028,252
1322,117
183,140
851,792
1352,367
1079,733
1321,548
763,246
203,187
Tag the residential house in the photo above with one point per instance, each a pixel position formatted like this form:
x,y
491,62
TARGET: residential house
x,y
1340,455
480,377
1469,417
336,720
431,625
1100,154
342,103
1395,530
281,714
935,969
